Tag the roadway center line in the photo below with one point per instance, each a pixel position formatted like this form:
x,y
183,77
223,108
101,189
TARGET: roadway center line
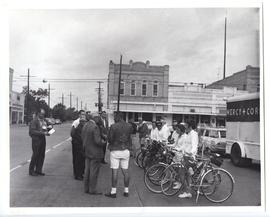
x,y
15,168
61,143
25,162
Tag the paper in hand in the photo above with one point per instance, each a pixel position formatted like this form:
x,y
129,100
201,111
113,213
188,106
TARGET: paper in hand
x,y
51,131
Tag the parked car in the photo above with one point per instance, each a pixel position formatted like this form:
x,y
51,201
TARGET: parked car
x,y
58,121
213,138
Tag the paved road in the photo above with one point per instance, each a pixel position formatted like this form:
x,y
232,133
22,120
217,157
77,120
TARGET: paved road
x,y
59,189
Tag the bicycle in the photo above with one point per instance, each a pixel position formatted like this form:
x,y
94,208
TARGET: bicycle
x,y
155,172
206,180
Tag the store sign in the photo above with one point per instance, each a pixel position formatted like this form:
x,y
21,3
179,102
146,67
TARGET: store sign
x,y
244,111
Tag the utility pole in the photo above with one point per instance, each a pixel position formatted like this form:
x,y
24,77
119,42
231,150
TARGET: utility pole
x,y
27,105
225,38
62,99
49,94
27,118
99,104
77,104
70,100
81,105
119,83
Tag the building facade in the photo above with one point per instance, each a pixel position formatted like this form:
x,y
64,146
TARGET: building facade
x,y
143,92
195,102
16,103
248,79
146,92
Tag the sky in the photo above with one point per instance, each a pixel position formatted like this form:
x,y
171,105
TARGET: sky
x,y
79,44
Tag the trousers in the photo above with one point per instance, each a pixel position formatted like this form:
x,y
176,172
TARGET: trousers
x,y
91,172
78,159
38,156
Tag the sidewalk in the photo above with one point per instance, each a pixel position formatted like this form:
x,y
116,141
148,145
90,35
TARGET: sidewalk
x,y
59,189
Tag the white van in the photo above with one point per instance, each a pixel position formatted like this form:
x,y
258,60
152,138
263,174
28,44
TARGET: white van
x,y
243,128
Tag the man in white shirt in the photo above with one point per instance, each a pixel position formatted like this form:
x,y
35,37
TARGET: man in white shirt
x,y
160,133
174,135
193,138
165,129
153,134
190,150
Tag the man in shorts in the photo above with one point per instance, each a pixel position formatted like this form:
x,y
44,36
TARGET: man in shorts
x,y
119,146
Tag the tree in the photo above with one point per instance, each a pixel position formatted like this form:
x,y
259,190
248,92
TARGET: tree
x,y
70,114
36,101
59,111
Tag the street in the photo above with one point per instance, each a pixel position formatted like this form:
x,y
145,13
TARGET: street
x,y
59,189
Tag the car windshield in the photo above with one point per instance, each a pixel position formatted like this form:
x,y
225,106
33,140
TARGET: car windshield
x,y
213,134
223,134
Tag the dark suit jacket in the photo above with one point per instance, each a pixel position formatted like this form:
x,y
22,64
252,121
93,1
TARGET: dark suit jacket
x,y
36,132
92,141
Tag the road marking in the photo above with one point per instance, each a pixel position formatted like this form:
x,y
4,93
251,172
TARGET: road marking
x,y
15,168
47,150
25,162
61,143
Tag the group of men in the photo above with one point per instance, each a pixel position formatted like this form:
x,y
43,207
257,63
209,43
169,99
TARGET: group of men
x,y
91,136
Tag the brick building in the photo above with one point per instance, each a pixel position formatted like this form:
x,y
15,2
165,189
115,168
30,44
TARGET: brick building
x,y
248,79
144,89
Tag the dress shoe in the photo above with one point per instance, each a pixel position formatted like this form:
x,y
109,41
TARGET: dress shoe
x,y
104,162
95,193
40,173
33,174
125,194
110,195
80,178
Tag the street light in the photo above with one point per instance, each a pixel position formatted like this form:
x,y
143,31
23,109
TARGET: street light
x,y
49,94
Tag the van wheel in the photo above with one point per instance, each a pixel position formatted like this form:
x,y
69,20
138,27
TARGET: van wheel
x,y
236,158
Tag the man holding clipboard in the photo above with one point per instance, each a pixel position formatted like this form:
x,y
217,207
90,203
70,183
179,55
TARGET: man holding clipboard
x,y
38,129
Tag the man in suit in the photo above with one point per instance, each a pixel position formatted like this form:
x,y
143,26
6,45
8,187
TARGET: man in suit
x,y
104,128
120,147
94,154
38,131
77,146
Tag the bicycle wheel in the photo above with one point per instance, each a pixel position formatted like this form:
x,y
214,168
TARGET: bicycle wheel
x,y
217,185
139,159
153,177
169,179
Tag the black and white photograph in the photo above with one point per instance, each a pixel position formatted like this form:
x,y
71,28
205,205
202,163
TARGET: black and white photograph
x,y
136,107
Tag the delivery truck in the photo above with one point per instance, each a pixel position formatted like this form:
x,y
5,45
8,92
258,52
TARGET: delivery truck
x,y
243,129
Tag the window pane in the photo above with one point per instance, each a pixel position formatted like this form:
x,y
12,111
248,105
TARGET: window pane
x,y
223,134
122,88
144,89
132,93
155,90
